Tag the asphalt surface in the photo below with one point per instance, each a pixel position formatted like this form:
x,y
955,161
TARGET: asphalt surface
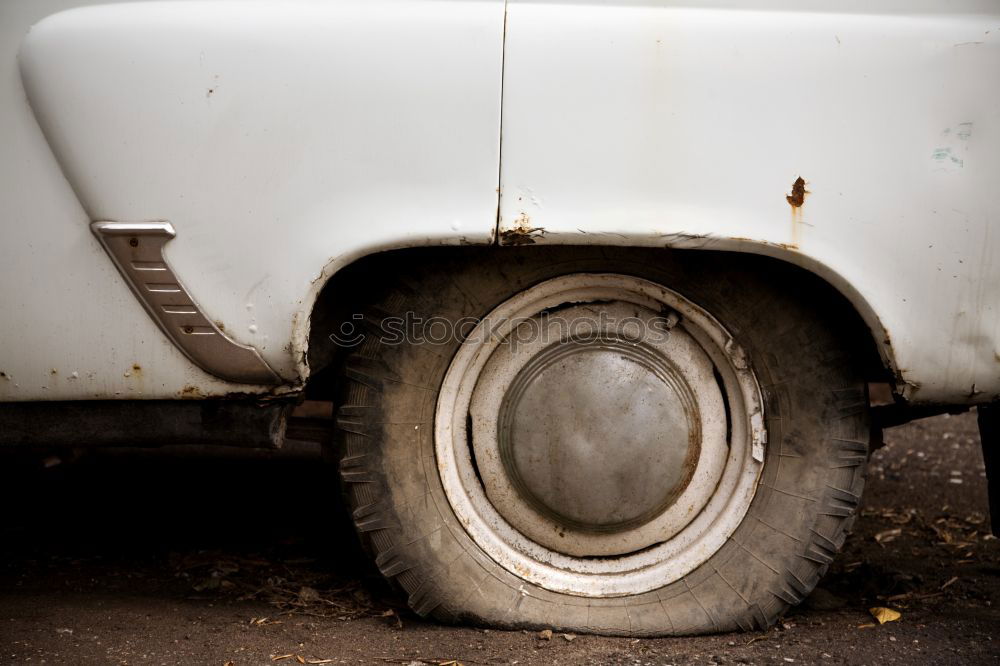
x,y
136,558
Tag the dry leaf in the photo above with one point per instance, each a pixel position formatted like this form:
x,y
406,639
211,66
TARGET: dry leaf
x,y
885,536
545,634
393,614
569,637
883,614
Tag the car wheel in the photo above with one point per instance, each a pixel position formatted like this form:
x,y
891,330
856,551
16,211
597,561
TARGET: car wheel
x,y
634,443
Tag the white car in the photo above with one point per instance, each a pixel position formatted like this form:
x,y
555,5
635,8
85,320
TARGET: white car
x,y
598,293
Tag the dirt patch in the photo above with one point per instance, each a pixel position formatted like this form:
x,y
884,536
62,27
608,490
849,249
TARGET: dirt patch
x,y
137,559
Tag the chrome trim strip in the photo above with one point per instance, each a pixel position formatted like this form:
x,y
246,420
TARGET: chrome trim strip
x,y
137,251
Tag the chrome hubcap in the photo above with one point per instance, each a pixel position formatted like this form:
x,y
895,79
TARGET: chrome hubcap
x,y
598,430
599,435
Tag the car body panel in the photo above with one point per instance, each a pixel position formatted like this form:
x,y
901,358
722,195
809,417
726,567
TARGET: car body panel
x,y
277,138
667,124
70,328
284,140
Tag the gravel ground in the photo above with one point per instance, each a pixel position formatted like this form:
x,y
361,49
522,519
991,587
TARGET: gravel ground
x,y
136,558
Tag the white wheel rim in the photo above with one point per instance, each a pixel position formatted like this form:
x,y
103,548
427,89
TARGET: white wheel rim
x,y
667,544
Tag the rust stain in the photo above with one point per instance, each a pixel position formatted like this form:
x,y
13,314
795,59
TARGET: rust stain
x,y
795,200
522,233
798,195
190,391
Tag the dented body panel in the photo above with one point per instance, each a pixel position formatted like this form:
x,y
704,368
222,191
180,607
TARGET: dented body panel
x,y
284,140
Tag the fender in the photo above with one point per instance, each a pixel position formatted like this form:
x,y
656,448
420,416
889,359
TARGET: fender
x,y
272,136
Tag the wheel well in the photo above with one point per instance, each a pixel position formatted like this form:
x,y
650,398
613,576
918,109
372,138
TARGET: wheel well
x,y
360,282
